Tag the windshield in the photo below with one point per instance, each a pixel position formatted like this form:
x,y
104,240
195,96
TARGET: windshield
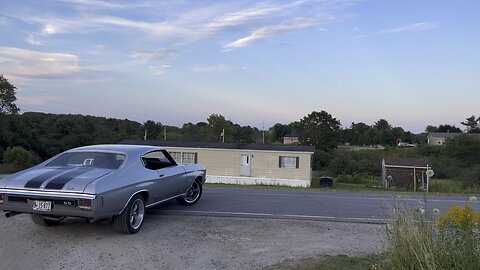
x,y
89,159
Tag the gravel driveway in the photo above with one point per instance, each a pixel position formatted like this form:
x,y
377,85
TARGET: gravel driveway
x,y
179,242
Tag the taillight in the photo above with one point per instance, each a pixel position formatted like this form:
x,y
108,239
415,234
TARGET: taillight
x,y
1,198
85,203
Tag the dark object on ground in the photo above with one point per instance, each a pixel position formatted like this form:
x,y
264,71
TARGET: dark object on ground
x,y
326,182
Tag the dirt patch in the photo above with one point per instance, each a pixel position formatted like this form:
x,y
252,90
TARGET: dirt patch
x,y
180,242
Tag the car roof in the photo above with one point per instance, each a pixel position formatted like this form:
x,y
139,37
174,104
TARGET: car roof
x,y
124,148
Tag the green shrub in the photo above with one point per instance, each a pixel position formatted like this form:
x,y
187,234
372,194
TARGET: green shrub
x,y
355,179
445,186
17,158
470,177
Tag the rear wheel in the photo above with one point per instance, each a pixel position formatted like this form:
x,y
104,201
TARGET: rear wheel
x,y
131,219
46,220
193,194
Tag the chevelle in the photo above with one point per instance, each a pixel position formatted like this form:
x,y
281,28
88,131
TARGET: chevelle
x,y
101,181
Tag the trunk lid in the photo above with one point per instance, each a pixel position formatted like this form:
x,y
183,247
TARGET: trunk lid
x,y
71,179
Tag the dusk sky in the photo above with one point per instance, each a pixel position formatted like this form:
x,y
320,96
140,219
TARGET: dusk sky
x,y
414,63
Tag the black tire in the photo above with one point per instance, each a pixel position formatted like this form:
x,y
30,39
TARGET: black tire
x,y
131,219
46,220
193,194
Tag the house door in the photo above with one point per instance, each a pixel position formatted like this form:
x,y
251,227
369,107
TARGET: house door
x,y
245,168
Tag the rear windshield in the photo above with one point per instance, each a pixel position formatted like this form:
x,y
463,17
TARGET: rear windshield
x,y
89,159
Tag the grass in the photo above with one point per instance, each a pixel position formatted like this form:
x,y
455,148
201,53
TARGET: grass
x,y
340,262
344,187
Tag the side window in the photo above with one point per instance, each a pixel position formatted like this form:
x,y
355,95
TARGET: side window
x,y
288,162
156,160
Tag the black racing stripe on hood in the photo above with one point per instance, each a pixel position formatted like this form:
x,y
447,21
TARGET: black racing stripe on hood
x,y
37,181
60,181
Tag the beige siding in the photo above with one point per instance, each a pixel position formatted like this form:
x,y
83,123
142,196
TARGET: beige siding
x,y
226,162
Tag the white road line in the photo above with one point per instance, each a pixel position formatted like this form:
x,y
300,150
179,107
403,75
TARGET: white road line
x,y
367,219
266,194
323,195
306,216
248,214
215,212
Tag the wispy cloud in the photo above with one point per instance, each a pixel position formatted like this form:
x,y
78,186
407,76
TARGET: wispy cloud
x,y
55,26
32,39
212,69
104,4
30,64
272,30
244,16
414,27
164,29
159,70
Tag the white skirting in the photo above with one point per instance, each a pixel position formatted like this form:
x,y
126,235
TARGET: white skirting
x,y
239,180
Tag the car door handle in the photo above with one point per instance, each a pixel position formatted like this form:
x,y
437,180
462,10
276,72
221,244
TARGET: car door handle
x,y
161,175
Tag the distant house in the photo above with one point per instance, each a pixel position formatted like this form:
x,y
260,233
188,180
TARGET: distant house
x,y
248,164
291,138
439,138
404,172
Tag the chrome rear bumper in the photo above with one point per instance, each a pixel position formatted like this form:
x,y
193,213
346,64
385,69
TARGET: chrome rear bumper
x,y
63,203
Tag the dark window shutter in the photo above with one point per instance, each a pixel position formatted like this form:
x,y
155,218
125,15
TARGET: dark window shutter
x,y
279,161
196,158
297,163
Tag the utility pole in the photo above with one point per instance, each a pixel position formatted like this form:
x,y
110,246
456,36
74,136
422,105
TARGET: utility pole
x,y
165,133
145,135
263,132
223,135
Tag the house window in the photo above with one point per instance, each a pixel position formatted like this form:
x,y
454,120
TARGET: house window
x,y
189,157
288,162
177,156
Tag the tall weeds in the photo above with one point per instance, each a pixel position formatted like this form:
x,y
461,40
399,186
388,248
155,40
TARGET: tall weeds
x,y
430,241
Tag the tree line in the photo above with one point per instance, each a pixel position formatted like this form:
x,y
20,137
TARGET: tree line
x,y
33,136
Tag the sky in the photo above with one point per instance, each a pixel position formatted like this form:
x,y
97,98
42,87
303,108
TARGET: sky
x,y
414,63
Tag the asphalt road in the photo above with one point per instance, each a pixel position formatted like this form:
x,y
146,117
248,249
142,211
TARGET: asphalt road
x,y
304,205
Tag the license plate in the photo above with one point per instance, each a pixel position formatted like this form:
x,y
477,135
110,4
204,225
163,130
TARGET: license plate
x,y
44,206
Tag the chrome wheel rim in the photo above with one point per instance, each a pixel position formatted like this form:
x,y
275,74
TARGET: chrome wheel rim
x,y
137,211
193,193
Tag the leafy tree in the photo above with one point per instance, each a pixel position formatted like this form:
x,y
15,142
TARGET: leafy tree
x,y
244,134
7,97
20,158
218,123
449,128
430,129
154,129
472,124
443,128
465,148
384,133
382,124
321,130
277,132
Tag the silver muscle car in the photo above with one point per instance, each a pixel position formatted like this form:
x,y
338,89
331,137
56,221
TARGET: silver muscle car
x,y
101,181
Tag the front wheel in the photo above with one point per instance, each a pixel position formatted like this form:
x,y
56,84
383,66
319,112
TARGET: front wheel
x,y
131,219
193,194
46,220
